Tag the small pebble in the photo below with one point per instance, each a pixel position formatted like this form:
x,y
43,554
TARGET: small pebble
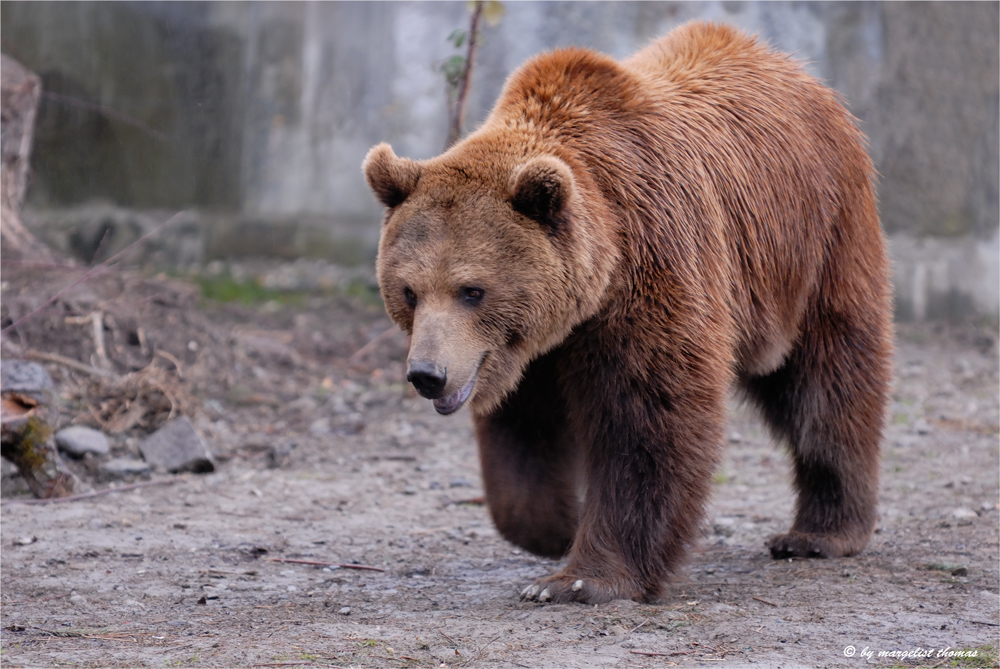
x,y
460,483
77,441
320,427
346,611
963,514
122,468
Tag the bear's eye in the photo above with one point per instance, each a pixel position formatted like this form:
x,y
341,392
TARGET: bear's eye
x,y
471,294
410,297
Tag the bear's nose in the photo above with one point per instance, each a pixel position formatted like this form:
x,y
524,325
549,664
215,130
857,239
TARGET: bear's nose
x,y
427,378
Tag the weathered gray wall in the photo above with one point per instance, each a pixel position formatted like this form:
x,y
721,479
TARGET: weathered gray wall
x,y
266,110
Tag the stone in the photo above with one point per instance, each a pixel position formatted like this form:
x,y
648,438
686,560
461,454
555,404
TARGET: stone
x,y
26,378
320,427
77,441
177,447
122,468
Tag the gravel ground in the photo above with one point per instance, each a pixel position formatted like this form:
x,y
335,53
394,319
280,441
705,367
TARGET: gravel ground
x,y
324,456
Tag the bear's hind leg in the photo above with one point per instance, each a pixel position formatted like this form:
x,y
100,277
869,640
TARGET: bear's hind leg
x,y
529,464
828,400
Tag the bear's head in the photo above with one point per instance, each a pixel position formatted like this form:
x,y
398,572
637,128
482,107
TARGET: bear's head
x,y
488,258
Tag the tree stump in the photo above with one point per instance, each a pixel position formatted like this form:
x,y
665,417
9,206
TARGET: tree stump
x,y
20,92
26,414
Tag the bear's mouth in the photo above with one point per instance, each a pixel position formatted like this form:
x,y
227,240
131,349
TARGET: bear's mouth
x,y
454,402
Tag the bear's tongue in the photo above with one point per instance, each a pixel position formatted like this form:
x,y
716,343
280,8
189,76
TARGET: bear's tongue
x,y
454,402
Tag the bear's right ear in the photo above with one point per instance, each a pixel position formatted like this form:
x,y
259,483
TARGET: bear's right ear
x,y
392,178
541,190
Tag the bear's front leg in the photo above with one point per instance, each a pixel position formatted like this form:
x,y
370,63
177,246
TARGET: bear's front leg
x,y
529,463
652,440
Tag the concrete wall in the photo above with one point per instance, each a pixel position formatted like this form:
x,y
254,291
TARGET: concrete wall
x,y
258,114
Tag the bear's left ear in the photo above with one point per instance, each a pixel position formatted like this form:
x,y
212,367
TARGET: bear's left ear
x,y
392,178
541,190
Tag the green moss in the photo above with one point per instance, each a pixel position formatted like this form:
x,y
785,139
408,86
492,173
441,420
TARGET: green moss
x,y
29,452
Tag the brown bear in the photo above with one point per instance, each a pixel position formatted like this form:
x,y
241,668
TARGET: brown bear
x,y
619,245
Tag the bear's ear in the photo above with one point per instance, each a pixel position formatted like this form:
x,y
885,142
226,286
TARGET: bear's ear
x,y
392,178
541,190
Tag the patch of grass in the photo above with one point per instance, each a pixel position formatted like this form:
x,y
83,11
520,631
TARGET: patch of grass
x,y
193,660
364,293
986,656
225,288
942,566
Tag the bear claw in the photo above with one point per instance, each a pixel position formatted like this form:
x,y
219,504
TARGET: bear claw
x,y
544,596
806,545
577,585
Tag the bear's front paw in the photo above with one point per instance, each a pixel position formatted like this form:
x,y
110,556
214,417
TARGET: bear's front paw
x,y
807,545
563,588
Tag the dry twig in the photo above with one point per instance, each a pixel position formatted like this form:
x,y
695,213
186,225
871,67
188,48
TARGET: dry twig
x,y
367,348
641,652
97,493
42,356
639,625
341,565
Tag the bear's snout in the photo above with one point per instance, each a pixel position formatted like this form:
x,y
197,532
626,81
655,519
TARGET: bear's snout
x,y
427,378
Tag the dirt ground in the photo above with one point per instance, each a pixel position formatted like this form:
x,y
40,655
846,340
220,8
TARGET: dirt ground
x,y
323,455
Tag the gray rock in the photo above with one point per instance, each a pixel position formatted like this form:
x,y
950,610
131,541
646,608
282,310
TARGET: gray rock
x,y
177,447
26,378
122,468
320,427
78,441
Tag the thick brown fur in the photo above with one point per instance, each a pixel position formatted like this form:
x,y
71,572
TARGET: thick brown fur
x,y
606,257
